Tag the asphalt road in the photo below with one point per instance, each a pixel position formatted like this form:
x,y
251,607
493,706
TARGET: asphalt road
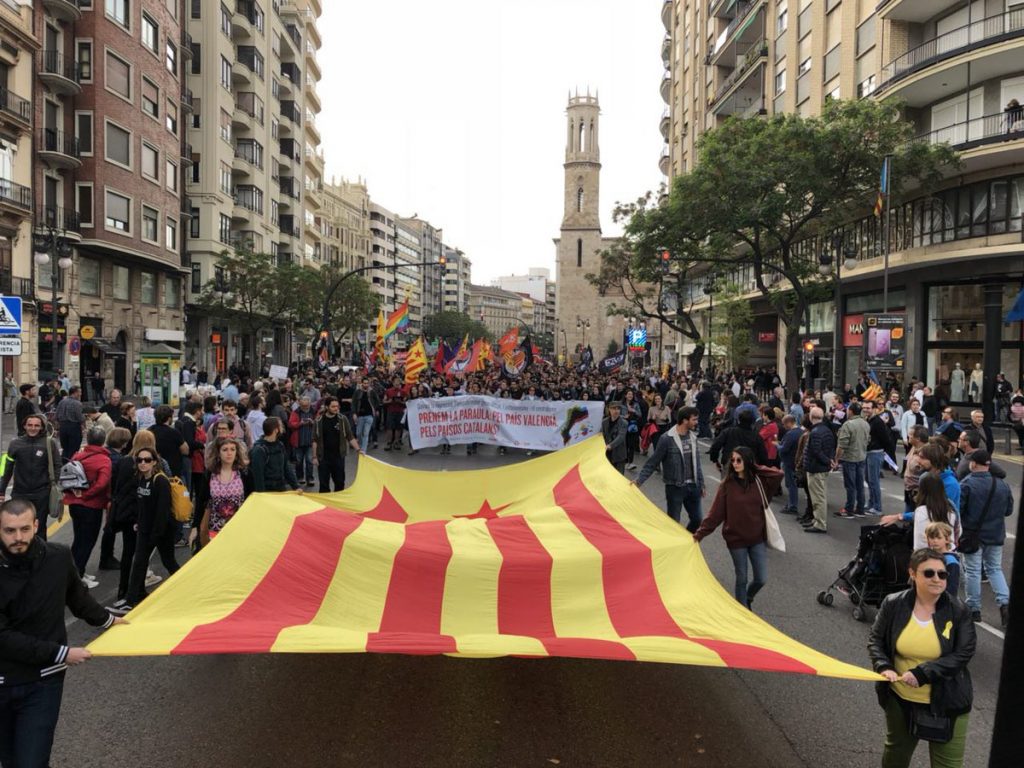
x,y
376,710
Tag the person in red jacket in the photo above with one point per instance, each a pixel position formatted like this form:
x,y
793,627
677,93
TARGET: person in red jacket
x,y
88,504
740,505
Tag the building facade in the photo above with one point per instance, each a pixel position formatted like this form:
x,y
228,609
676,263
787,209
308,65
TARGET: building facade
x,y
346,210
458,276
536,284
499,309
956,253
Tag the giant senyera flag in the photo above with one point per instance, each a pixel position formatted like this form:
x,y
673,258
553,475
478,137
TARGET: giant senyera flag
x,y
558,556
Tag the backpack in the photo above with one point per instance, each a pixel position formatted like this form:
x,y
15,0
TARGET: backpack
x,y
181,503
72,476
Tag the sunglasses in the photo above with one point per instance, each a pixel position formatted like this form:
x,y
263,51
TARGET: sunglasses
x,y
142,460
737,461
931,573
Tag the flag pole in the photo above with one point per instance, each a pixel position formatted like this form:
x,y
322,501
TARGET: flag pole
x,y
885,233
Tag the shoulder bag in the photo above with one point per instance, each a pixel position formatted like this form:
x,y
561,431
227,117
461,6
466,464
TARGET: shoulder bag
x,y
775,539
970,538
56,501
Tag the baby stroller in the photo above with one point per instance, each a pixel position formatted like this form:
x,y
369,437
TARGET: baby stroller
x,y
879,569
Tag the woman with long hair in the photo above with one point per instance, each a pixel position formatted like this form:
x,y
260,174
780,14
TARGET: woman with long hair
x,y
633,415
933,507
739,504
127,418
227,488
660,415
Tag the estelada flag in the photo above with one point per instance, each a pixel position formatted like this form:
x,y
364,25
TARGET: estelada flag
x,y
558,556
415,362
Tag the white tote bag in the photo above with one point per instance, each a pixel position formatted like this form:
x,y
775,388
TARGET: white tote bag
x,y
775,540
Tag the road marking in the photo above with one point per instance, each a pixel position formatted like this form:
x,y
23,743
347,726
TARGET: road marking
x,y
988,628
54,527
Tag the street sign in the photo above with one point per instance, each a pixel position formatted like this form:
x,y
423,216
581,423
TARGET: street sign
x,y
10,346
10,315
74,346
87,332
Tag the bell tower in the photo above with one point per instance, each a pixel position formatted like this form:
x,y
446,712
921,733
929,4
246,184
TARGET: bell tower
x,y
580,310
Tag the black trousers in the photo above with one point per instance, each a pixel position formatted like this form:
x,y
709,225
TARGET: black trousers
x,y
331,468
42,505
146,542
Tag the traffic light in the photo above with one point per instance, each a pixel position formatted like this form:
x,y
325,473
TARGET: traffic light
x,y
442,261
665,259
809,347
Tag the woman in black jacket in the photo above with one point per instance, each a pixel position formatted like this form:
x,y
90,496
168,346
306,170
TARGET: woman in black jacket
x,y
921,642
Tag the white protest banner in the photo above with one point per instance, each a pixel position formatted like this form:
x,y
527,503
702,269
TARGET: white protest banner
x,y
279,372
540,425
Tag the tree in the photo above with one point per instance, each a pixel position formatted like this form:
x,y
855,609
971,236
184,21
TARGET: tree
x,y
731,326
353,306
260,293
771,193
453,327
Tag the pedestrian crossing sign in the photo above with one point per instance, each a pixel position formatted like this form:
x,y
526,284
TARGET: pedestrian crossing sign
x,y
10,315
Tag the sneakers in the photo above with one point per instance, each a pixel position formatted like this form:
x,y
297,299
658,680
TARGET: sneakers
x,y
120,608
152,579
871,513
89,582
846,515
1004,614
814,529
111,564
976,617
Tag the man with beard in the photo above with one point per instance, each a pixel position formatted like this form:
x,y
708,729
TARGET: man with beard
x,y
37,581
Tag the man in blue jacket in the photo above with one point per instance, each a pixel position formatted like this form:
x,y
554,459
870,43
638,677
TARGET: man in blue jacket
x,y
787,455
678,455
985,503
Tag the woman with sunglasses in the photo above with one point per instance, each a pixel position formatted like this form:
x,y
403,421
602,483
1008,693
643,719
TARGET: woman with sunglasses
x,y
739,504
921,642
154,528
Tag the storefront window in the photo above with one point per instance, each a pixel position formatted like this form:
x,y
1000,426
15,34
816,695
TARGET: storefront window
x,y
957,313
822,317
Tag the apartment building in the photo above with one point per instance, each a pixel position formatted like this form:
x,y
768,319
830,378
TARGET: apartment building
x,y
456,281
395,255
18,48
108,187
257,174
536,284
431,250
956,253
346,211
499,309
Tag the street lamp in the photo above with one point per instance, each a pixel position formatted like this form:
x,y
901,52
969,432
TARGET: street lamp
x,y
582,325
848,262
52,247
709,291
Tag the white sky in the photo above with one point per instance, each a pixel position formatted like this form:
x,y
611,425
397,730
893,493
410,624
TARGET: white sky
x,y
455,110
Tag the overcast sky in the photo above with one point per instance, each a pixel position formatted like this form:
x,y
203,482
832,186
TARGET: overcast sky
x,y
455,110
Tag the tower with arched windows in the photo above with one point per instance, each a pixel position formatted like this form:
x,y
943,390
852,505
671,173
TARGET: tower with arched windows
x,y
580,244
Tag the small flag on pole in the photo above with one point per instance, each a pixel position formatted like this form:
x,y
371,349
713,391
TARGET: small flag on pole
x,y
883,186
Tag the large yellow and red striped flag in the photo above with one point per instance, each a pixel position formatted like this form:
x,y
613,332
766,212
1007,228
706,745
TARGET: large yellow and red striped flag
x,y
558,556
415,361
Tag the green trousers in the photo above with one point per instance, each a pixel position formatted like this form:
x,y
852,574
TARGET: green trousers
x,y
900,745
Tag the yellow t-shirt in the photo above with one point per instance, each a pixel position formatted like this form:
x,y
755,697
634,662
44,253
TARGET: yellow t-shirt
x,y
916,644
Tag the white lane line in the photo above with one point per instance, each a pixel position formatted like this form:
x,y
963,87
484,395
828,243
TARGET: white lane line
x,y
1011,536
988,628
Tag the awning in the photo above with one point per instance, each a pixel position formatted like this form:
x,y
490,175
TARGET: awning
x,y
106,347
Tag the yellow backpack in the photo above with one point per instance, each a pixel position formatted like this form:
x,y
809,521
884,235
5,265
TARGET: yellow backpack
x,y
181,502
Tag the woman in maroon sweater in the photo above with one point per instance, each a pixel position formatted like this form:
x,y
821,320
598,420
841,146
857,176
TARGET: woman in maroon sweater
x,y
740,506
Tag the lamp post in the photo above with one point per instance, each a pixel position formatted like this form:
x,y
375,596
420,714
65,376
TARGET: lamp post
x,y
565,346
848,262
709,291
221,292
52,247
582,325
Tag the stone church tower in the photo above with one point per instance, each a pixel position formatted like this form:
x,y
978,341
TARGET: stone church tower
x,y
579,247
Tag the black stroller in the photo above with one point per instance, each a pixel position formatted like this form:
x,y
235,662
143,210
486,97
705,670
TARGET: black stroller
x,y
879,569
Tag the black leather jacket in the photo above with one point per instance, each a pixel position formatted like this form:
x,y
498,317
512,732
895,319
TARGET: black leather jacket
x,y
952,692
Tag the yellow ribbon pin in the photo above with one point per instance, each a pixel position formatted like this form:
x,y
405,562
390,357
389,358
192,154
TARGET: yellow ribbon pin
x,y
947,630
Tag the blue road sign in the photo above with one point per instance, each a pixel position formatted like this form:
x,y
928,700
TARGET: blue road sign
x,y
10,315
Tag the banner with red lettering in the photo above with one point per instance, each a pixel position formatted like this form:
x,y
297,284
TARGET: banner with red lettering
x,y
540,425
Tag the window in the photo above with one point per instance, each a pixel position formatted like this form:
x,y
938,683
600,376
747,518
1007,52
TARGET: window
x,y
225,73
196,111
172,58
83,54
147,287
782,19
193,224
118,76
171,117
805,66
225,20
780,79
171,176
579,253
197,59
197,9
83,132
150,98
118,212
122,283
150,224
197,174
172,292
150,162
225,178
83,203
866,88
89,277
118,145
225,125
150,34
866,36
225,229
117,12
171,236
197,277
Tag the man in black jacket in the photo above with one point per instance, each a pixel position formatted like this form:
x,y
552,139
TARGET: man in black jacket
x,y
819,460
169,443
271,470
25,406
37,581
26,461
881,442
705,402
741,435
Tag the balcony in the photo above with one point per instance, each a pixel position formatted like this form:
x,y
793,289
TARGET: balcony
x,y
14,110
917,11
311,129
186,154
740,34
63,10
291,111
246,20
314,195
313,99
666,14
985,131
292,33
187,101
59,150
63,219
312,32
186,44
15,199
59,73
315,160
312,65
17,286
666,88
250,152
666,51
938,67
291,149
292,75
248,109
745,65
186,208
666,124
665,160
289,187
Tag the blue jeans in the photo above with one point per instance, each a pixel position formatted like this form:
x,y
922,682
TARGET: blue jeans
x,y
28,718
991,555
758,556
853,482
364,425
678,496
874,472
304,463
792,489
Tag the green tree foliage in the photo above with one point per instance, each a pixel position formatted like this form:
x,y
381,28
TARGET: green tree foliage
x,y
352,307
732,321
767,194
453,327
